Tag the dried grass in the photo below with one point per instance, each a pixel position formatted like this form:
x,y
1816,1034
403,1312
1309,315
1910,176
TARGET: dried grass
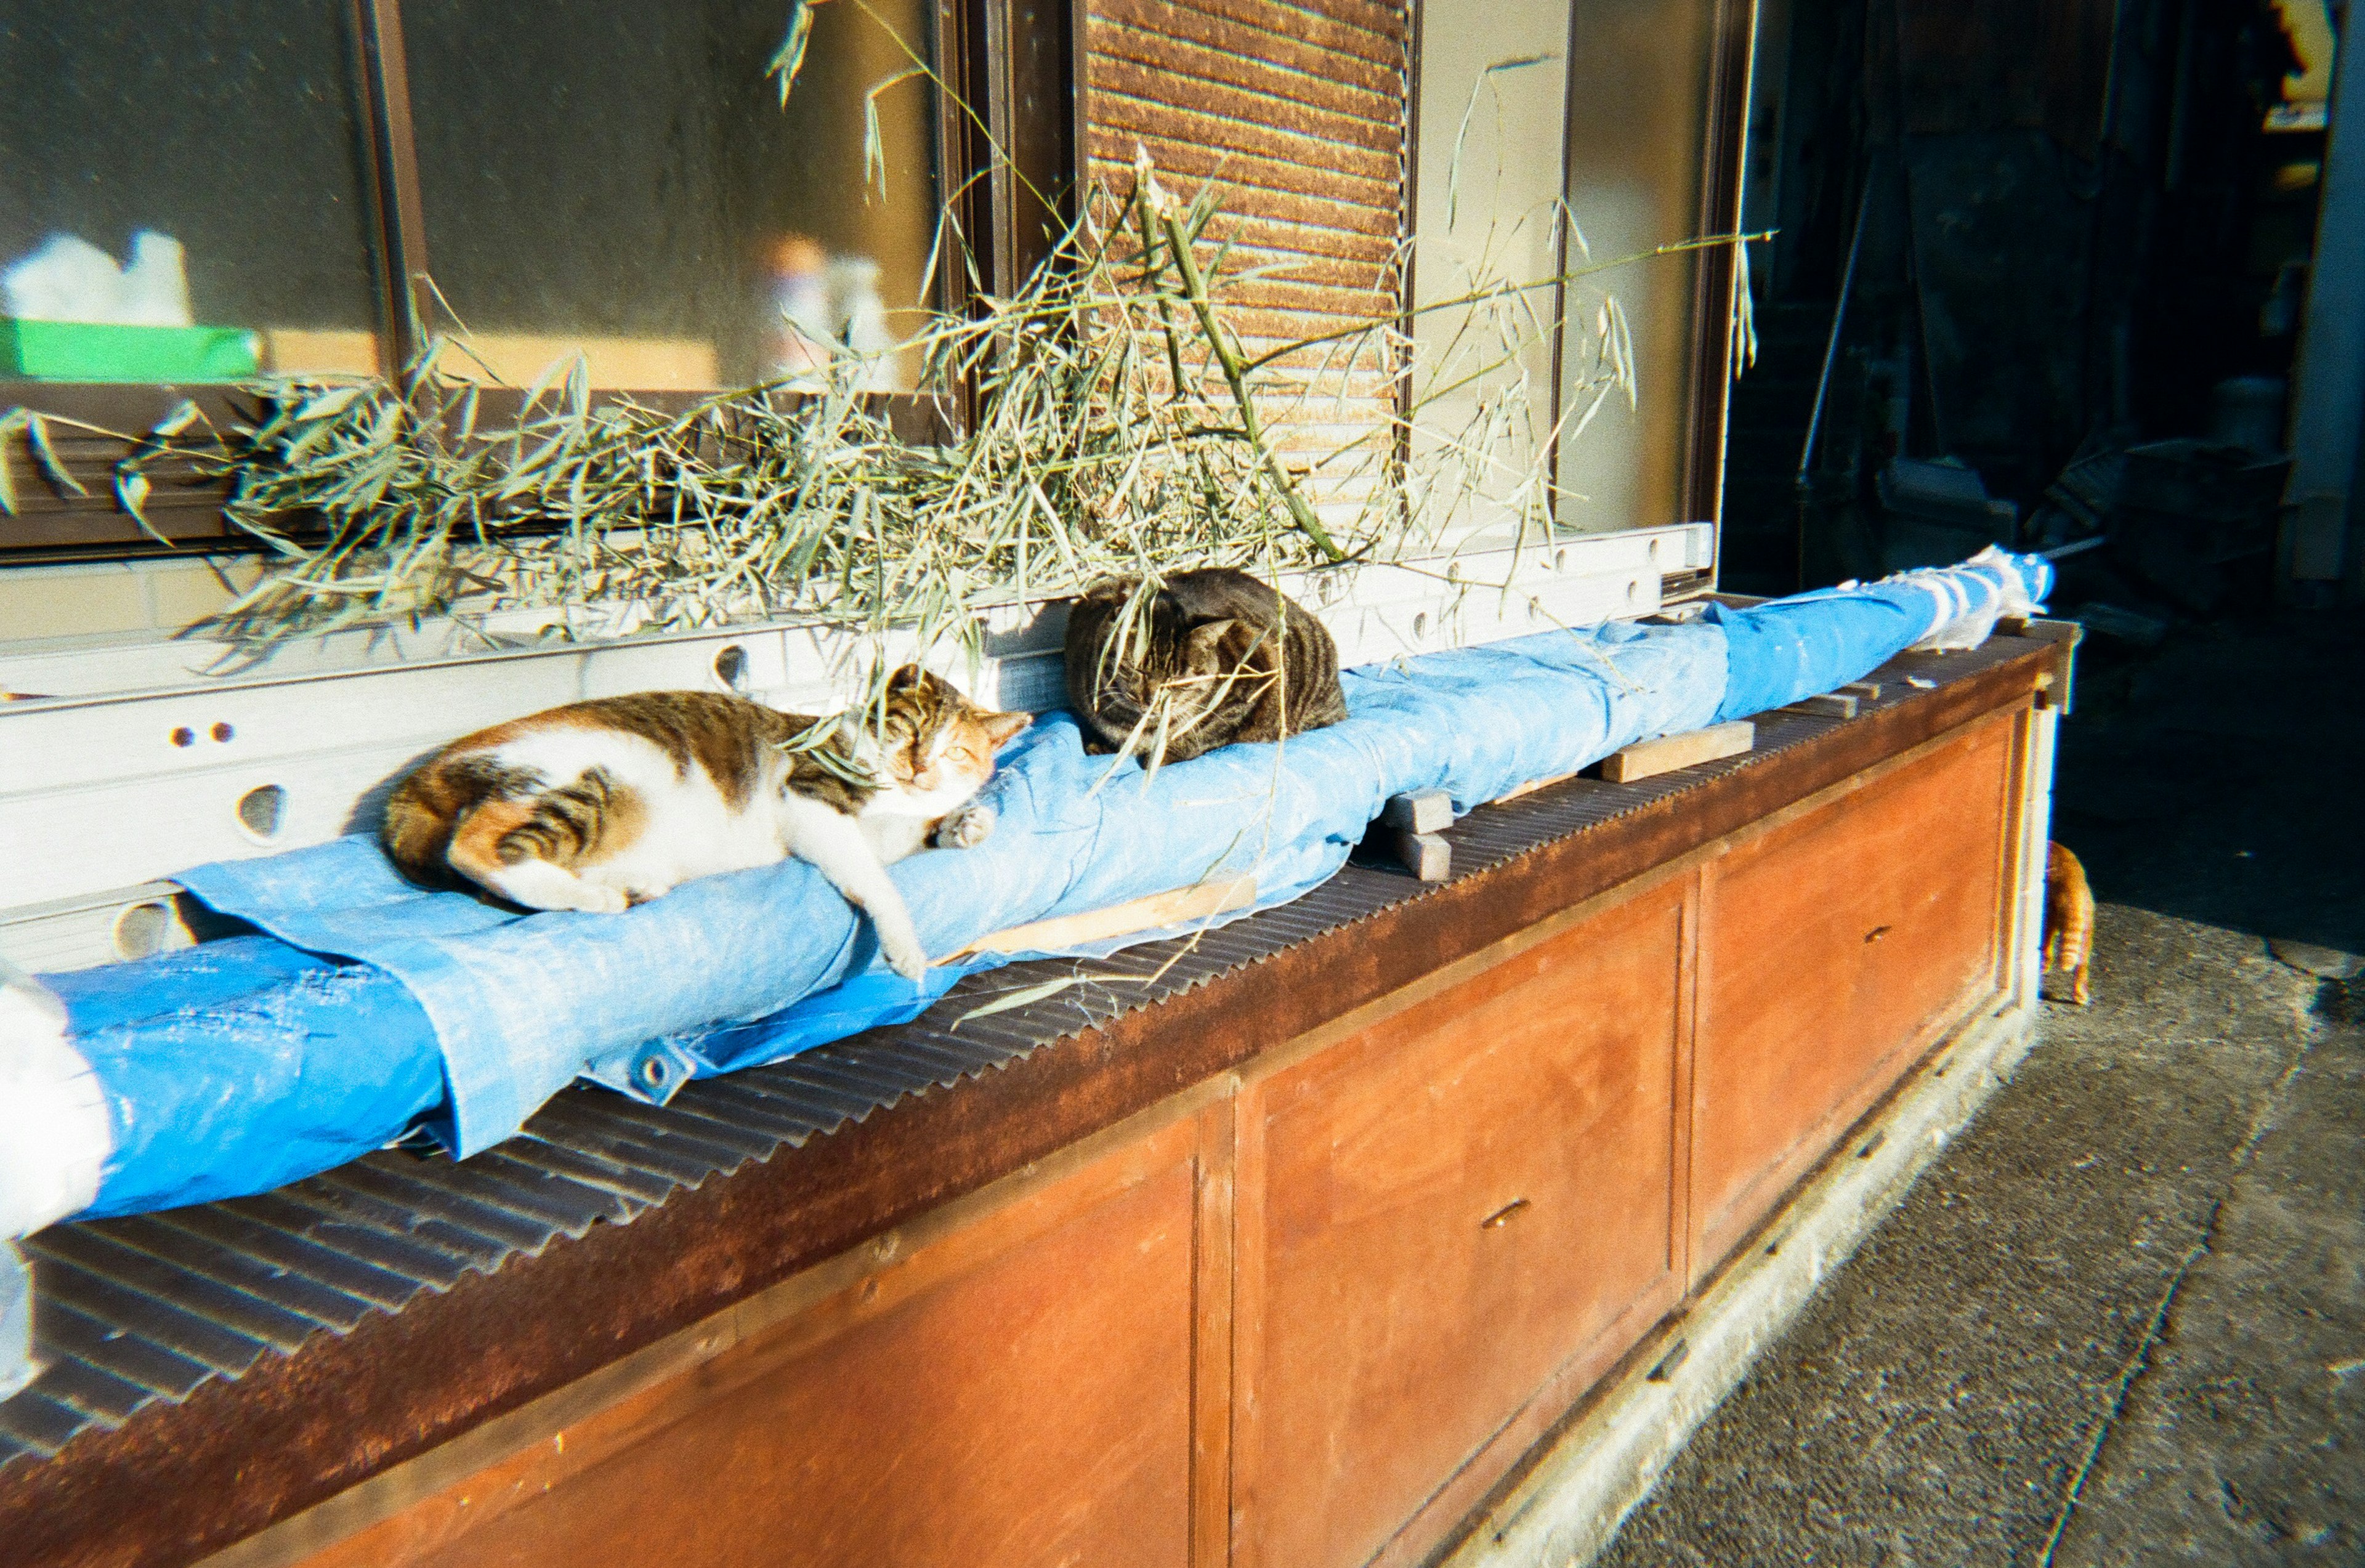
x,y
1122,425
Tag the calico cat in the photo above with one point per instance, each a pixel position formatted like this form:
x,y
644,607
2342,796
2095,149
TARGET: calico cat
x,y
1221,658
604,804
2068,919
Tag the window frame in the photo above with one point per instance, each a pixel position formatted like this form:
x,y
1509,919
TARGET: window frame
x,y
1015,61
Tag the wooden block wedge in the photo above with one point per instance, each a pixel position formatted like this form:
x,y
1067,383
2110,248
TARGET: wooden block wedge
x,y
1830,705
1645,760
1425,855
1181,907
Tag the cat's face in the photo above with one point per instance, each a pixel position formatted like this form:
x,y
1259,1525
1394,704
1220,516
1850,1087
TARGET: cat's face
x,y
934,741
1206,666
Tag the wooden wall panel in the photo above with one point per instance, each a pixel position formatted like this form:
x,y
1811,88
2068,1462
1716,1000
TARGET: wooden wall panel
x,y
1436,1216
1019,1394
1832,950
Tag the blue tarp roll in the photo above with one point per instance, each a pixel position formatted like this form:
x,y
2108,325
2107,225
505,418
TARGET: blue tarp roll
x,y
370,1007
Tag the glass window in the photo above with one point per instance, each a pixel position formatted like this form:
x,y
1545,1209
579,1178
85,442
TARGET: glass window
x,y
1493,83
1620,87
1637,99
622,178
180,191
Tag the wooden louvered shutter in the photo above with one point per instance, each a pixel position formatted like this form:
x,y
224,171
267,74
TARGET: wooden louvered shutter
x,y
1299,111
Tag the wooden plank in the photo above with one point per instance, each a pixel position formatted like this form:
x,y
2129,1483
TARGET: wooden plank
x,y
1155,912
1646,760
1532,785
1830,705
1863,690
1429,811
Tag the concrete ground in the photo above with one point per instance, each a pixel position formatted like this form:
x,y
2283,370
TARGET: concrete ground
x,y
2123,1320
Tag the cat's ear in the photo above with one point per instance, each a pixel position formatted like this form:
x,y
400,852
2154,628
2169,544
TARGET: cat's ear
x,y
1002,728
906,678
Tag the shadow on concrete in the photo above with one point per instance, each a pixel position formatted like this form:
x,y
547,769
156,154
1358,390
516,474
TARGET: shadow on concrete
x,y
2120,1321
2221,778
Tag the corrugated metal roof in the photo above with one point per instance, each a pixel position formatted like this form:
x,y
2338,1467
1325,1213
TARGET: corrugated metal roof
x,y
132,1311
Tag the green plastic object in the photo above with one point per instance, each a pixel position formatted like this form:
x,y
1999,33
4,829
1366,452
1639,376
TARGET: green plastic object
x,y
85,350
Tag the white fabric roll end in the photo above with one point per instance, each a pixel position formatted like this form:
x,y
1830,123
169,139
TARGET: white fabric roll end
x,y
1967,600
17,1367
54,1135
54,1140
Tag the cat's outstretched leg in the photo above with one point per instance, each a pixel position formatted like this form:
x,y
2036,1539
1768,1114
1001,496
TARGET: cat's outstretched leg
x,y
832,843
538,884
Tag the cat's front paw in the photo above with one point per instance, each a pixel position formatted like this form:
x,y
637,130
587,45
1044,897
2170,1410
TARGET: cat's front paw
x,y
966,828
907,959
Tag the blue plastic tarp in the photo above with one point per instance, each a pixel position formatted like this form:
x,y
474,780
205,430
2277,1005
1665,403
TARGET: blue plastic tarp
x,y
370,1007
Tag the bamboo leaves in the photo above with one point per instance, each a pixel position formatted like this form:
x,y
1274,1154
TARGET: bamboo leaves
x,y
36,436
790,58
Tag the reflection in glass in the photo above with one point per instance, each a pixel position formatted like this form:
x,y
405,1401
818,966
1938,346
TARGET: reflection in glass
x,y
1492,84
181,192
621,178
1637,127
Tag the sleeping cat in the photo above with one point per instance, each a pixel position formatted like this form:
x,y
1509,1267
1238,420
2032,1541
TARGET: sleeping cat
x,y
1221,658
604,804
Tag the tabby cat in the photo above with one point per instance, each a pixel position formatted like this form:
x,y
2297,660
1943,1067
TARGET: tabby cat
x,y
604,804
1221,657
2068,919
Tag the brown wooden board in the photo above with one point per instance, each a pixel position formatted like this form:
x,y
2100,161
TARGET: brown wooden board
x,y
1019,1392
1833,948
1434,1216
